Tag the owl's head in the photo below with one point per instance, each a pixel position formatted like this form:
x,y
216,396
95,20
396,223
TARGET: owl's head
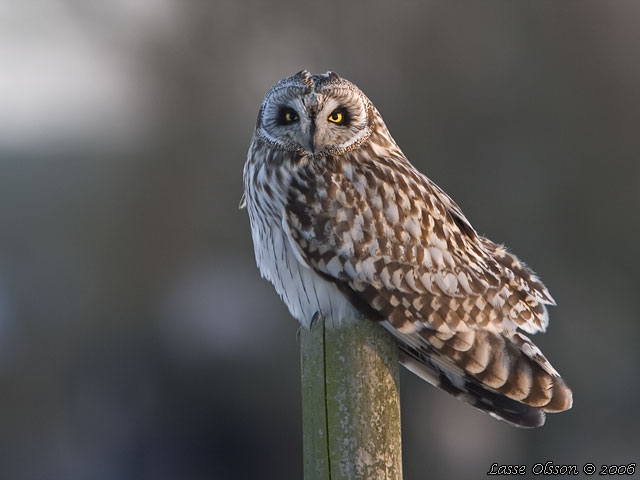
x,y
315,115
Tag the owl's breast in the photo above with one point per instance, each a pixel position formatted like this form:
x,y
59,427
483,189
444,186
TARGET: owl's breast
x,y
303,291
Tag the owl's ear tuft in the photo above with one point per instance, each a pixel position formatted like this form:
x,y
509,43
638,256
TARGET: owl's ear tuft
x,y
333,76
305,77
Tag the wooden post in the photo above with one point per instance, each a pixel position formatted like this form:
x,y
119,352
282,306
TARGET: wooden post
x,y
350,402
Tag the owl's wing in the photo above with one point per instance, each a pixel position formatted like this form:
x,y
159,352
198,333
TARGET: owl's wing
x,y
402,250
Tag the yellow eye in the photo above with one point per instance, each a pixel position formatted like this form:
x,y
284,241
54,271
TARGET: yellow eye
x,y
290,116
336,117
287,115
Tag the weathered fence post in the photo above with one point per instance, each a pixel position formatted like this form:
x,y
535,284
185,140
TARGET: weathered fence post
x,y
350,403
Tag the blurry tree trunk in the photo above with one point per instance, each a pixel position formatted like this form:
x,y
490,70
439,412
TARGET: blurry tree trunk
x,y
350,403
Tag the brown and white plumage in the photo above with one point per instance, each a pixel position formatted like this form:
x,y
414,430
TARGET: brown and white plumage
x,y
343,225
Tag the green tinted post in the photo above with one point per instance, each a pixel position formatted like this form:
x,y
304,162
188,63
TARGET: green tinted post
x,y
350,402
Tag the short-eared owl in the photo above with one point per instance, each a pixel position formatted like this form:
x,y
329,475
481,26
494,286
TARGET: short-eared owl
x,y
344,226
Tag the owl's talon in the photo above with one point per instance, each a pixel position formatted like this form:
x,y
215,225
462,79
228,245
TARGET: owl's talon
x,y
316,316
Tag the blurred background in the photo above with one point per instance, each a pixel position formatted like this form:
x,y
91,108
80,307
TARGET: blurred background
x,y
137,340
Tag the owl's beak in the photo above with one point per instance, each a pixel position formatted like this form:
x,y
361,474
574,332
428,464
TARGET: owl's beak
x,y
309,137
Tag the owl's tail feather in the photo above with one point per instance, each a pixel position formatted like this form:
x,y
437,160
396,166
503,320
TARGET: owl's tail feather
x,y
471,392
506,377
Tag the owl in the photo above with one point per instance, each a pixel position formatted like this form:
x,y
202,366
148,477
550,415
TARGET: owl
x,y
346,228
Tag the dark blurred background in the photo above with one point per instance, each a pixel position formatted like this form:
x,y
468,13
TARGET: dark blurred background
x,y
137,340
